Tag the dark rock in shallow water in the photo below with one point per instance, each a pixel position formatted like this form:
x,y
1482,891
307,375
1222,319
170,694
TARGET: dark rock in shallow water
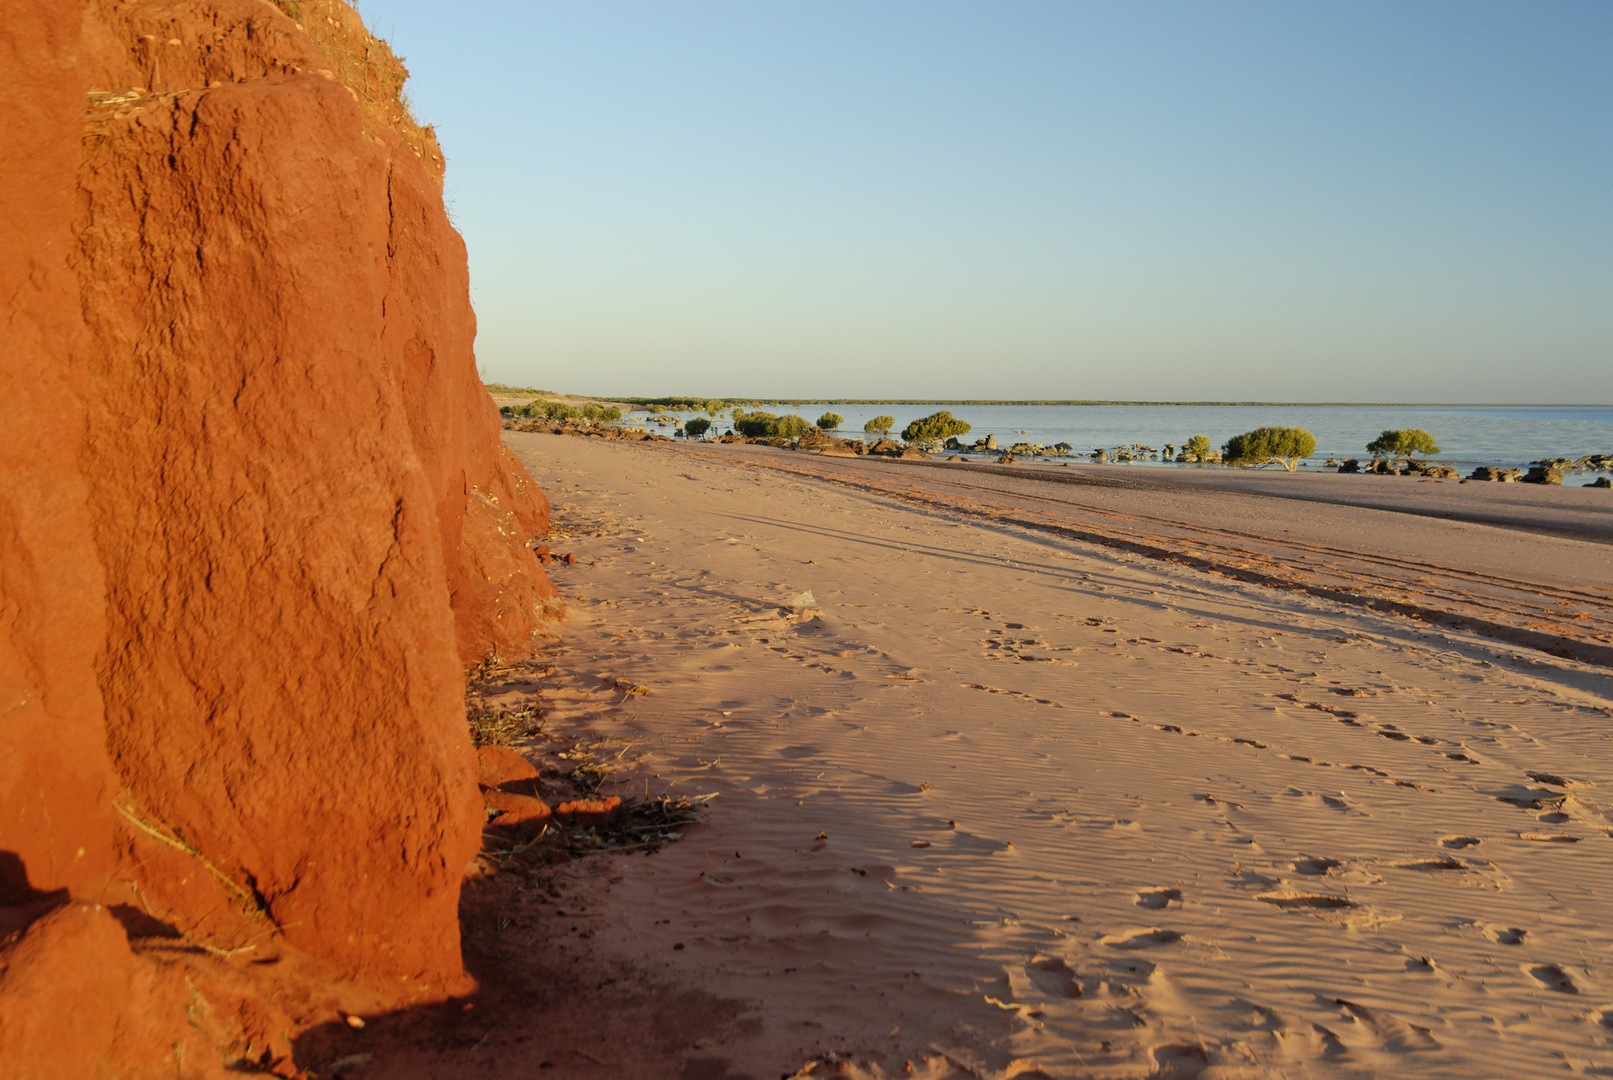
x,y
1543,474
1350,465
1490,472
1601,482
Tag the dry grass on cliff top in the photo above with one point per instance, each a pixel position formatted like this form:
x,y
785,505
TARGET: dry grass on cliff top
x,y
366,65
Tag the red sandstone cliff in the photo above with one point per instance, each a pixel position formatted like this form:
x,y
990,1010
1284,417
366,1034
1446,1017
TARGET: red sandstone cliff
x,y
255,520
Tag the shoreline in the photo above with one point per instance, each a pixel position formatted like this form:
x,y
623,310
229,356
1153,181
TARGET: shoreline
x,y
1071,438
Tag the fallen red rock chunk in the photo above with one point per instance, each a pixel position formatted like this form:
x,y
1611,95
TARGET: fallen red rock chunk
x,y
546,556
499,765
595,812
516,809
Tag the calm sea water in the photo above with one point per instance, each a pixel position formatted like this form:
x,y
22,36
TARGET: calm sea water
x,y
1510,436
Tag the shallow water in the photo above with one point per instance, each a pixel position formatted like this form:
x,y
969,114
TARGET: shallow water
x,y
1503,435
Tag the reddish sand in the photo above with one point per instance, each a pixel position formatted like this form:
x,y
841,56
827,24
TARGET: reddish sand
x,y
1025,779
1019,771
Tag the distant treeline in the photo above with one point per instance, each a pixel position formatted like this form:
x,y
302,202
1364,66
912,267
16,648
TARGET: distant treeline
x,y
708,404
695,404
498,389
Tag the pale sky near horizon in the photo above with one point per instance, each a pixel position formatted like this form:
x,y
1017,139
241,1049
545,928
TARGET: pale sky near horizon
x,y
1269,201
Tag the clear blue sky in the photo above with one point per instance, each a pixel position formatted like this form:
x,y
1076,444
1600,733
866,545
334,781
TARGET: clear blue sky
x,y
1279,201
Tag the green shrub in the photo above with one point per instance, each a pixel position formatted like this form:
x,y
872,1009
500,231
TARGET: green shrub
x,y
753,425
1288,445
1402,443
764,425
608,414
1197,448
830,420
935,428
697,427
552,410
880,425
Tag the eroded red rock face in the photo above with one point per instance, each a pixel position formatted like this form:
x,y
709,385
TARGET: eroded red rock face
x,y
55,832
255,518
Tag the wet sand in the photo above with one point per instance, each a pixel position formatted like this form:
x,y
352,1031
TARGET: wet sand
x,y
1191,776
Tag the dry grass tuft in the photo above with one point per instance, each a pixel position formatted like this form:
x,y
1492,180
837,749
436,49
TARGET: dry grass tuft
x,y
367,66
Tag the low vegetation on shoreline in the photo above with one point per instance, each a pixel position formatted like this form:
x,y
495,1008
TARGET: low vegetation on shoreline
x,y
1393,452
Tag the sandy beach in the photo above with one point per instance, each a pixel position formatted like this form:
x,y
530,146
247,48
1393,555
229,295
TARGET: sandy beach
x,y
369,713
1100,775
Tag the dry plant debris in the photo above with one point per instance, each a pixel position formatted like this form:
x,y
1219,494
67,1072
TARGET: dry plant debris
x,y
571,768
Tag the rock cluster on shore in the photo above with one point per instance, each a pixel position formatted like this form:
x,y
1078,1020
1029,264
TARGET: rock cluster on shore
x,y
1499,475
1588,463
584,429
1412,467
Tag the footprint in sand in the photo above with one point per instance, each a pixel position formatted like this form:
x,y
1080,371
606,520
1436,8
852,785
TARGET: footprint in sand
x,y
1306,901
1553,977
1141,939
1012,693
1157,899
1180,1061
1392,1033
1053,977
1459,841
1505,935
1549,838
1525,798
1315,867
1431,864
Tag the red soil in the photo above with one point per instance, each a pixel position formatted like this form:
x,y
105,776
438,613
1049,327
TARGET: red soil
x,y
255,523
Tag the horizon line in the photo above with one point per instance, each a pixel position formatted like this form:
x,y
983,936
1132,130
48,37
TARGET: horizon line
x,y
670,399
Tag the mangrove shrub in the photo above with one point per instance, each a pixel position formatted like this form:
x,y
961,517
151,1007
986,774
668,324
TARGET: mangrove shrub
x,y
601,413
935,428
764,425
1403,443
1287,445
